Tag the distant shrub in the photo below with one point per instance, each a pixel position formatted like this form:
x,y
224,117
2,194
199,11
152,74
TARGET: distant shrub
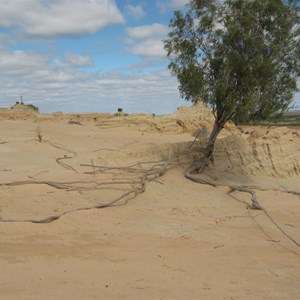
x,y
120,109
33,107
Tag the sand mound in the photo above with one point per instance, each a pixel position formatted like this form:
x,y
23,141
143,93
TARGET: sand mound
x,y
196,119
238,157
185,120
273,153
19,112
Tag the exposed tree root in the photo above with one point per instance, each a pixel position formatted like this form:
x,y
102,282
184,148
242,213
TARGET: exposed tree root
x,y
290,191
202,163
138,186
103,149
257,205
130,194
141,173
59,147
64,165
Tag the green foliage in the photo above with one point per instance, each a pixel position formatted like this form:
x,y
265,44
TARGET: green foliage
x,y
242,57
289,118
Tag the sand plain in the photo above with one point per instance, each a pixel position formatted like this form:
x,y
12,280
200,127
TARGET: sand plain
x,y
177,240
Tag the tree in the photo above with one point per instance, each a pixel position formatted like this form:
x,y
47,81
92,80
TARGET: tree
x,y
241,57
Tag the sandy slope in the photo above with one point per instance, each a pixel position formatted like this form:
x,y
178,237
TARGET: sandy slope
x,y
178,240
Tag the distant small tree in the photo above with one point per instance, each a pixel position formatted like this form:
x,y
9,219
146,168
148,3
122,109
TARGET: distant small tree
x,y
120,110
242,57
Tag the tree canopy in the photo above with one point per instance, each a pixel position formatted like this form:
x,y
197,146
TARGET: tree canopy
x,y
241,57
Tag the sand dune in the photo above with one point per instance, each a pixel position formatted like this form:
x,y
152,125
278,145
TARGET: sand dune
x,y
177,240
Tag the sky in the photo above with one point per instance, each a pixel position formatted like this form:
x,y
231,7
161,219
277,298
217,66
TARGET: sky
x,y
88,55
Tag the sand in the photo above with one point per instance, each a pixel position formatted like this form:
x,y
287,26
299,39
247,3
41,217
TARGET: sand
x,y
177,240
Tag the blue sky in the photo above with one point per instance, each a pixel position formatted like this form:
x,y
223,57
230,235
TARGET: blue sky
x,y
88,55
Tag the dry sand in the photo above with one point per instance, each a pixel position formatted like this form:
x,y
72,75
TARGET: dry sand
x,y
177,240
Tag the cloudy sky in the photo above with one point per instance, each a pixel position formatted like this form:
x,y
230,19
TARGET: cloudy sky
x,y
87,55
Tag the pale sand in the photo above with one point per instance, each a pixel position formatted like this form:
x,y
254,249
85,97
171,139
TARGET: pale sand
x,y
178,240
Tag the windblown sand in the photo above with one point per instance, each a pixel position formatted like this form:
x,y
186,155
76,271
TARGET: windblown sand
x,y
177,240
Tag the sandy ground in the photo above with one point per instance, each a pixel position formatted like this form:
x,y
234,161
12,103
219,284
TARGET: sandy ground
x,y
177,240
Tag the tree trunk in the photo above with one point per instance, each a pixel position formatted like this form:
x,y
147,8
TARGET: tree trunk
x,y
201,163
218,126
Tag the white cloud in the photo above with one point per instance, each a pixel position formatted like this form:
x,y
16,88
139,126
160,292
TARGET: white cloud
x,y
2,40
135,11
147,31
147,41
165,5
149,48
52,86
75,60
178,3
63,84
20,62
59,17
148,63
